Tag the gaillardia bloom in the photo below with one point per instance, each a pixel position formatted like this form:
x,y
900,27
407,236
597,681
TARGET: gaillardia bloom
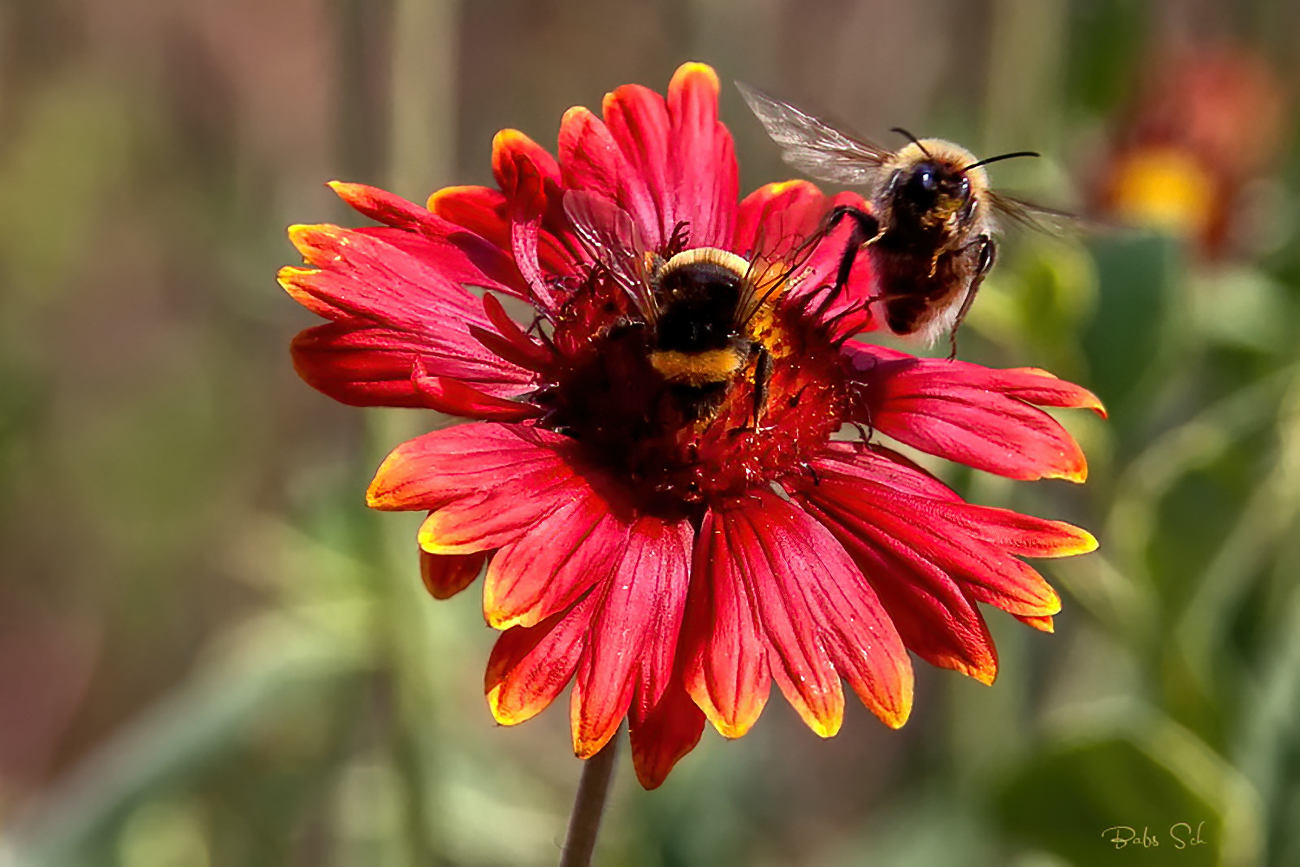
x,y
650,476
1205,125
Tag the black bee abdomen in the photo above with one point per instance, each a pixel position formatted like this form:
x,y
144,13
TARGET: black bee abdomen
x,y
698,309
696,401
903,315
683,331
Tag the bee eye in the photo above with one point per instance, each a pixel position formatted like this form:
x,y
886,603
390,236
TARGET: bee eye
x,y
964,187
926,178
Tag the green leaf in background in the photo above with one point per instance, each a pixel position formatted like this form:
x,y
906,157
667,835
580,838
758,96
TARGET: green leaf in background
x,y
269,700
1137,793
1138,276
1106,39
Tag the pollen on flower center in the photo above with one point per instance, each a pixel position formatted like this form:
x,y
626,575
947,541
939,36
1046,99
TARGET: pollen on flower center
x,y
684,408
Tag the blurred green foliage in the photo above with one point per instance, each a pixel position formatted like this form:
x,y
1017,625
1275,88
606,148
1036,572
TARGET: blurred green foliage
x,y
212,654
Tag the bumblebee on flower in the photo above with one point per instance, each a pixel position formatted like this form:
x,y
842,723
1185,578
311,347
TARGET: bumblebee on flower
x,y
649,476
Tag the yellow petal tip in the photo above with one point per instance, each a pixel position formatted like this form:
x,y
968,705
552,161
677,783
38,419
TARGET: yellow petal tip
x,y
896,718
499,713
585,749
694,69
574,113
511,139
446,192
827,728
731,730
1078,475
503,620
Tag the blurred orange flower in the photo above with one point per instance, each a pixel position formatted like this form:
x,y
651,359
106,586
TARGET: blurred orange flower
x,y
1208,120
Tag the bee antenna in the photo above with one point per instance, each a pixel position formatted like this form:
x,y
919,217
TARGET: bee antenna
x,y
1001,157
913,139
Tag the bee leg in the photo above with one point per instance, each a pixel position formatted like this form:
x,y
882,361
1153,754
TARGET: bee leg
x,y
762,379
812,471
988,254
869,229
866,229
861,403
679,238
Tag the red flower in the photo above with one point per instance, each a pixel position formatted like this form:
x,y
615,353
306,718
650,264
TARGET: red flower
x,y
673,529
1207,120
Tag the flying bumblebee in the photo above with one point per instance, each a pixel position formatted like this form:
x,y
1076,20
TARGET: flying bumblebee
x,y
692,311
932,220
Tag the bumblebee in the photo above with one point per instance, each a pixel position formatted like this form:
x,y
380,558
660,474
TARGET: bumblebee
x,y
692,312
932,218
699,345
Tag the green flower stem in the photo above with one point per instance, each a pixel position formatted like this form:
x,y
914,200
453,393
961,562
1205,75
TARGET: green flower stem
x,y
588,805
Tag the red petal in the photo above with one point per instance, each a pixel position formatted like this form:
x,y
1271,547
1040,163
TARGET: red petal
x,y
462,258
512,343
664,734
1044,389
886,467
935,619
981,571
1021,535
445,575
816,605
455,398
938,532
801,665
481,210
705,176
1012,532
633,634
553,563
1043,624
530,666
525,173
424,233
388,300
970,414
593,161
390,209
665,609
484,212
496,517
511,150
637,119
441,467
778,217
358,366
726,670
296,281
373,365
847,312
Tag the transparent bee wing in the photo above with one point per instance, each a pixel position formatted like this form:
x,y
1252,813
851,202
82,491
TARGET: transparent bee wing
x,y
775,271
612,238
814,146
1032,216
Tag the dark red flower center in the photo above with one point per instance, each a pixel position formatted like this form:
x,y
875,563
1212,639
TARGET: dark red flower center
x,y
693,405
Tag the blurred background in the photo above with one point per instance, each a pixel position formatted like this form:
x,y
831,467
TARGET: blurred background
x,y
211,653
